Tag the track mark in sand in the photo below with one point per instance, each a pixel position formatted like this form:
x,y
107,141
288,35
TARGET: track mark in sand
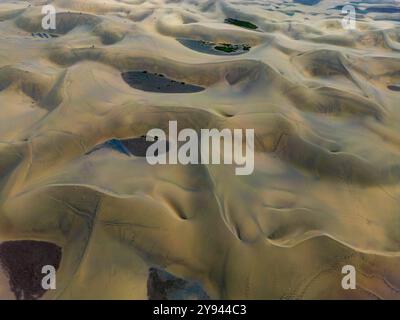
x,y
153,82
23,262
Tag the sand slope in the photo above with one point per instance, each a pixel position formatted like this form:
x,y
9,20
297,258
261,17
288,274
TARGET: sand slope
x,y
324,106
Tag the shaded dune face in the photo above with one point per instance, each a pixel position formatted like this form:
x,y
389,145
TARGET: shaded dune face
x,y
75,111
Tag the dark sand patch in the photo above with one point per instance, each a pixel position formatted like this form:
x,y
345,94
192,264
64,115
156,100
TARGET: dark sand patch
x,y
394,87
154,82
162,285
382,9
44,35
23,262
241,23
114,144
134,146
220,49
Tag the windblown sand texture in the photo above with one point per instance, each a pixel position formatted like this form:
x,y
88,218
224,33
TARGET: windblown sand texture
x,y
325,106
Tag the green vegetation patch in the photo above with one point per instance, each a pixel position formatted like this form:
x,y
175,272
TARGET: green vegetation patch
x,y
229,48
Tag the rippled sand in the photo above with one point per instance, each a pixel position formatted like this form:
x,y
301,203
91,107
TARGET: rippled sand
x,y
324,105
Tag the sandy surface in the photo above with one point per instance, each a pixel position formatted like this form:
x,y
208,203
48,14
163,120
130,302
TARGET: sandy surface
x,y
326,187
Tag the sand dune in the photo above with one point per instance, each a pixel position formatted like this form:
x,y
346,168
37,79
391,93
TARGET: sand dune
x,y
324,103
